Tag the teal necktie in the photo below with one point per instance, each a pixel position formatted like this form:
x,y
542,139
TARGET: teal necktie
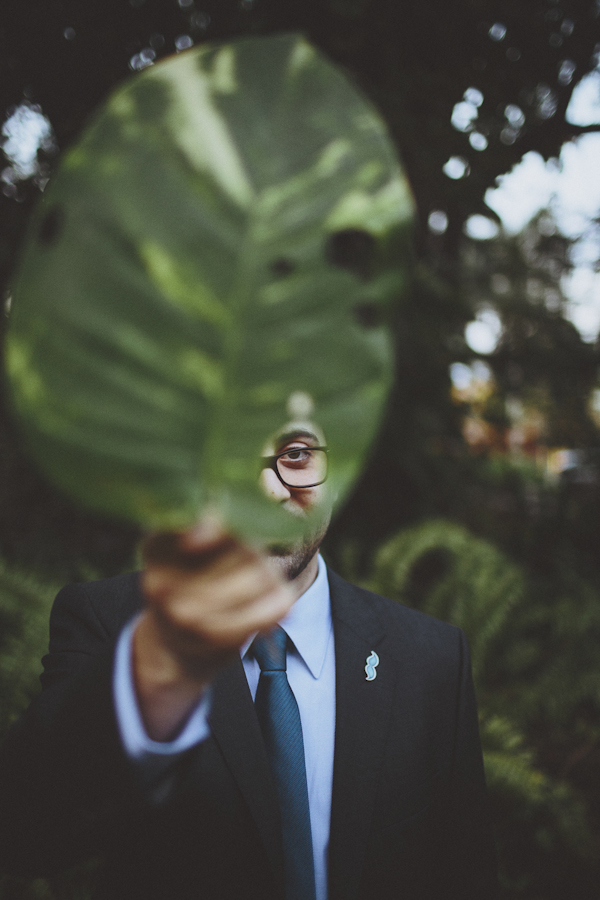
x,y
279,719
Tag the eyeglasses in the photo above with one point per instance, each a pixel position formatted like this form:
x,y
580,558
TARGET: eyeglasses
x,y
300,467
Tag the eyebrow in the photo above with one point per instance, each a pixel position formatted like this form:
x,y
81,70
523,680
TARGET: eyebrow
x,y
294,435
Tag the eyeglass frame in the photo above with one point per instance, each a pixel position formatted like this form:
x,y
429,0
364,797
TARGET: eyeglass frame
x,y
270,462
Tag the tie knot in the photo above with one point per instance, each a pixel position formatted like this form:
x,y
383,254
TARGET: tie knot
x,y
269,650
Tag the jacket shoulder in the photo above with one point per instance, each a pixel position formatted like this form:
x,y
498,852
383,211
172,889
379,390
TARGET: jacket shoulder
x,y
110,602
404,627
86,619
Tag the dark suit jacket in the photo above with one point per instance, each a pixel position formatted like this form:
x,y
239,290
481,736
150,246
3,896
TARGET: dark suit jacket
x,y
408,811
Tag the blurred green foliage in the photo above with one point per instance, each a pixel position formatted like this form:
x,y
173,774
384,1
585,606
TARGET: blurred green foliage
x,y
24,609
536,665
415,61
25,603
76,884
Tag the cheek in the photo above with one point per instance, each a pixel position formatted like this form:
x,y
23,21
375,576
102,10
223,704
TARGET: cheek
x,y
272,487
309,498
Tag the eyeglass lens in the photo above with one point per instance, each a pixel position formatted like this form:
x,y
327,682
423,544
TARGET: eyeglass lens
x,y
302,466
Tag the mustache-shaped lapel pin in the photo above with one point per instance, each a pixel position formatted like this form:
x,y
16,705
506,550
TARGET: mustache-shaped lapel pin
x,y
372,663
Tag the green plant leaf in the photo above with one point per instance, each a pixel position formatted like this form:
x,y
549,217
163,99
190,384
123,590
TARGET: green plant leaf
x,y
212,261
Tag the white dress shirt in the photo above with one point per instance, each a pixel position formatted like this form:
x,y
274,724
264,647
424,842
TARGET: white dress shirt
x,y
311,674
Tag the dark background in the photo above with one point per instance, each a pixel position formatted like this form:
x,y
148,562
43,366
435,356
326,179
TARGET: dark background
x,y
496,539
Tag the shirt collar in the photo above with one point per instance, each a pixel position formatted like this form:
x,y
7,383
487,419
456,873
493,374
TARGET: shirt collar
x,y
308,623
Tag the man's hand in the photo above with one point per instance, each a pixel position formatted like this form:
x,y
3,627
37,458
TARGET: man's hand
x,y
206,593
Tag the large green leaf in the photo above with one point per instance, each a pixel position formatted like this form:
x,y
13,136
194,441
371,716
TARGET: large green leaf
x,y
212,260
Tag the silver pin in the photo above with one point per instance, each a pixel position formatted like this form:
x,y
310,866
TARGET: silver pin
x,y
372,662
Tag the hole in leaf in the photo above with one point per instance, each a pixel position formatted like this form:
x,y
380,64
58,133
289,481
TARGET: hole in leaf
x,y
51,226
352,249
282,267
367,314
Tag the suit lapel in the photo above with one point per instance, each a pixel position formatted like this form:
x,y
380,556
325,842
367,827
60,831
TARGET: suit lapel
x,y
236,730
362,719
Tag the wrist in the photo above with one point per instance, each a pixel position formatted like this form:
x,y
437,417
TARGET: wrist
x,y
167,692
158,666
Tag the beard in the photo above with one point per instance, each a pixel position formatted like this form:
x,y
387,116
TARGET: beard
x,y
292,559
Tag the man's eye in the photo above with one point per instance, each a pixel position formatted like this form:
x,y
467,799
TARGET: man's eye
x,y
296,456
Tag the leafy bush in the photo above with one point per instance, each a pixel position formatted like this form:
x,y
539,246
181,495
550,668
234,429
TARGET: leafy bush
x,y
535,667
24,608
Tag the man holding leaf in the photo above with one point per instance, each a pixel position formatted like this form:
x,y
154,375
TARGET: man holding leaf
x,y
215,258
153,754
